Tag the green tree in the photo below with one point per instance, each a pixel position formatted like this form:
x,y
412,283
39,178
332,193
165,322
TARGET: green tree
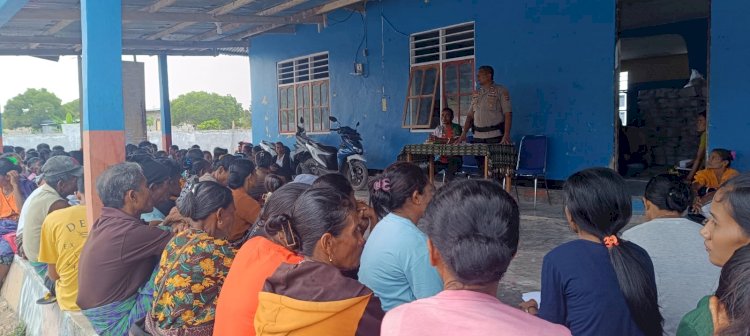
x,y
31,108
195,108
74,108
212,124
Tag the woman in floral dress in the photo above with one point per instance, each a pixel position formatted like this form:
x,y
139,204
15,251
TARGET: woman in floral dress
x,y
194,264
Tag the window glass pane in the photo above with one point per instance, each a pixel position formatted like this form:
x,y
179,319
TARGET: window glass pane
x,y
450,79
425,105
452,102
292,125
430,77
308,119
324,93
300,96
426,39
453,35
465,103
282,98
416,82
316,95
303,70
306,95
466,75
435,120
411,111
459,53
315,119
284,121
326,123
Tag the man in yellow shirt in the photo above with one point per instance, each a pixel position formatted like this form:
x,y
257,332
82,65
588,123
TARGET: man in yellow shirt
x,y
63,234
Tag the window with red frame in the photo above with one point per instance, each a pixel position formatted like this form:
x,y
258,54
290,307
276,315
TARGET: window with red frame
x,y
304,92
442,75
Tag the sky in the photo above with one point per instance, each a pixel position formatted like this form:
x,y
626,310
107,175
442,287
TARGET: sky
x,y
225,75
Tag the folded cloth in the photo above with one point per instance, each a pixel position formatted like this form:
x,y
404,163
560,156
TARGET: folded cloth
x,y
115,319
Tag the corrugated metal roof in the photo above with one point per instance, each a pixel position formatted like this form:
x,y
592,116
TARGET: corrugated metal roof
x,y
183,27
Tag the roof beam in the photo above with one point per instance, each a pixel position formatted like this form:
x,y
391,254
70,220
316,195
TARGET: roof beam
x,y
298,18
282,7
60,25
158,6
270,11
63,52
230,7
127,43
334,5
71,16
214,32
216,12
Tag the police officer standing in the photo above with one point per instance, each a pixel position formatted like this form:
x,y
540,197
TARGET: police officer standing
x,y
490,111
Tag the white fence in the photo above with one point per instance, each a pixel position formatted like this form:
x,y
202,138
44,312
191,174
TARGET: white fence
x,y
70,138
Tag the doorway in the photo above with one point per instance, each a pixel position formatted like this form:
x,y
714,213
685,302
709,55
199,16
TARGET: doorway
x,y
661,85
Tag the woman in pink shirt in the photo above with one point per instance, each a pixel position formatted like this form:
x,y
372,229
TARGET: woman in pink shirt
x,y
473,228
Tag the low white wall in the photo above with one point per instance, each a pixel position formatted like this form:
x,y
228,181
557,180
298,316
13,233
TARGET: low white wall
x,y
21,289
70,138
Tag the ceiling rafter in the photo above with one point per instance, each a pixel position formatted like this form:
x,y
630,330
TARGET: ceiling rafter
x,y
297,18
65,51
230,27
157,6
60,25
143,16
282,7
126,43
214,32
216,12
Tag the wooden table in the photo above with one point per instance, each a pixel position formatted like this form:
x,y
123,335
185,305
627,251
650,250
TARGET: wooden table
x,y
501,159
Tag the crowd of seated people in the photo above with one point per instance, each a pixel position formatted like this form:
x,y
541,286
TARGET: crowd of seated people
x,y
192,244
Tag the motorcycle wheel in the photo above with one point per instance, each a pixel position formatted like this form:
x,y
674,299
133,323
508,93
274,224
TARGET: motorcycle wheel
x,y
301,169
357,174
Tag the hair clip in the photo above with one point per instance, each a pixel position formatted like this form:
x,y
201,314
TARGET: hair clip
x,y
290,234
383,184
611,241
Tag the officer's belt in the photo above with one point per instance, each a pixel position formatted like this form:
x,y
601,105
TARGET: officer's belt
x,y
498,127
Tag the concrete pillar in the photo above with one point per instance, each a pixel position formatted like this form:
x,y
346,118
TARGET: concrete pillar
x,y
1,130
103,116
166,112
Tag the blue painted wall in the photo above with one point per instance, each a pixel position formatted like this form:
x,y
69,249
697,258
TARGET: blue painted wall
x,y
556,58
728,115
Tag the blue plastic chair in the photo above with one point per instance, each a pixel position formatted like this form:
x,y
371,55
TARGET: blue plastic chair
x,y
470,166
532,161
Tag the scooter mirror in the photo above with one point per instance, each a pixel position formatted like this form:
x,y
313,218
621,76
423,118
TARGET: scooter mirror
x,y
333,119
357,125
301,120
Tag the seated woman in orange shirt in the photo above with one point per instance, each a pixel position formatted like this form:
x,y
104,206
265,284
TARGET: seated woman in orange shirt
x,y
254,263
11,200
717,171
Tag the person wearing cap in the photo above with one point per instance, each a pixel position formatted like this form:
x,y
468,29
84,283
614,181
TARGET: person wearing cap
x,y
119,259
63,234
157,179
61,174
